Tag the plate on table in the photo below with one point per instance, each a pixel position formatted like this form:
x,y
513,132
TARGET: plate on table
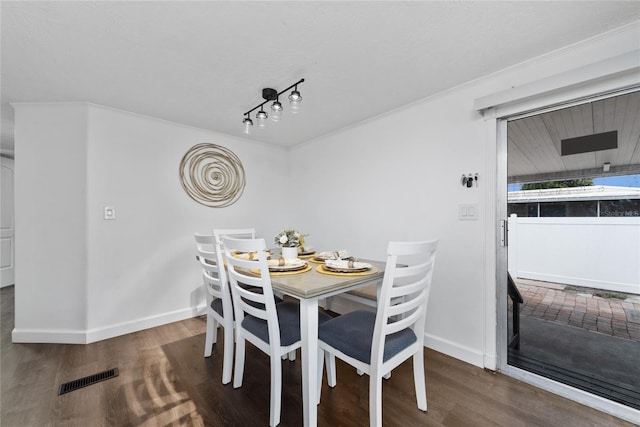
x,y
307,252
293,266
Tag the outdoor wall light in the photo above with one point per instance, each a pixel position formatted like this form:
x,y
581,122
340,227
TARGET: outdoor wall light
x,y
468,180
269,94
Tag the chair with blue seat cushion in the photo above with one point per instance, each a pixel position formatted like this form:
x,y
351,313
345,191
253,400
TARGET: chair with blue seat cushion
x,y
274,329
376,343
219,308
219,302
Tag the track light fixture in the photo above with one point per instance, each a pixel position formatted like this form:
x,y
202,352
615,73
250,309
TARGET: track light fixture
x,y
269,94
248,124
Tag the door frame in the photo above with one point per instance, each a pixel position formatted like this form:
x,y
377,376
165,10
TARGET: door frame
x,y
497,121
7,275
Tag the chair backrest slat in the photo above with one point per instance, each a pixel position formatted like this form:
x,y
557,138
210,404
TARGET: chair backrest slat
x,y
403,307
211,278
214,277
408,289
402,323
237,233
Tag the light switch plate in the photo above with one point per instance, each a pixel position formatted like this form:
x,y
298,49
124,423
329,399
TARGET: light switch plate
x,y
468,212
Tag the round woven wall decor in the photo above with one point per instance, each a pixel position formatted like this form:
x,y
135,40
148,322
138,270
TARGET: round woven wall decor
x,y
212,175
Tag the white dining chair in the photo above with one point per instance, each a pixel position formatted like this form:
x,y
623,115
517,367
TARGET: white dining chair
x,y
274,329
245,233
219,308
376,343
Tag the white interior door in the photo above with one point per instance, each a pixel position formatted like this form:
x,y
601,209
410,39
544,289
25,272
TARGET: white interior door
x,y
7,229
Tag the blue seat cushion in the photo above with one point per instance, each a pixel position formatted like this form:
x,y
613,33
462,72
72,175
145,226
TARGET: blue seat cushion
x,y
289,320
216,304
352,334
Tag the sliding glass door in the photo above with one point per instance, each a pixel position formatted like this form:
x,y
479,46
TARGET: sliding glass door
x,y
573,207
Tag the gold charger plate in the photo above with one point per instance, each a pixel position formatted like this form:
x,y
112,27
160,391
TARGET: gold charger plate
x,y
320,269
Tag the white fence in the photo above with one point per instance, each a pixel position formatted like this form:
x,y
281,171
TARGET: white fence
x,y
601,253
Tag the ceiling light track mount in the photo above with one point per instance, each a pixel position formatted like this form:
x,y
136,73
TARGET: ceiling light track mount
x,y
269,94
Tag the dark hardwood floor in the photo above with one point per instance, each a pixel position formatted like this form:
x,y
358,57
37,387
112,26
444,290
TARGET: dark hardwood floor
x,y
164,380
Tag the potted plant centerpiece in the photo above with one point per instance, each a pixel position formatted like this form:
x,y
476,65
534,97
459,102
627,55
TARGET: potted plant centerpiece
x,y
290,240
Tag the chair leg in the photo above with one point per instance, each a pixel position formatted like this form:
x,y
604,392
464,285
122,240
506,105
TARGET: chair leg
x,y
210,336
375,400
320,369
418,379
331,369
239,371
275,400
227,363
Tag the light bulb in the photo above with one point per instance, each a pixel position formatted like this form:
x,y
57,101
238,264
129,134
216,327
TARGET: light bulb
x,y
248,124
277,111
295,96
294,101
261,117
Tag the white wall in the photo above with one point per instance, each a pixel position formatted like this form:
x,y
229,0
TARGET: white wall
x,y
398,178
91,278
50,209
599,252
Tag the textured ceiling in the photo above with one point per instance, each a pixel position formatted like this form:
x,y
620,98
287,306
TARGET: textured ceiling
x,y
204,63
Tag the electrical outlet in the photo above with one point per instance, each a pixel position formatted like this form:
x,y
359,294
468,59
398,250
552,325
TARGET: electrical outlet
x,y
109,212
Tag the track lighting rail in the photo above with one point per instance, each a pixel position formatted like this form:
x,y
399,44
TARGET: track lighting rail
x,y
270,94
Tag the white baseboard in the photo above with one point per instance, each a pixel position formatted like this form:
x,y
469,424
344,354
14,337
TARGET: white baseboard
x,y
106,332
457,351
70,336
48,336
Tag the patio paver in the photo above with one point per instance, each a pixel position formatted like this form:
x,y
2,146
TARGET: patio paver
x,y
554,303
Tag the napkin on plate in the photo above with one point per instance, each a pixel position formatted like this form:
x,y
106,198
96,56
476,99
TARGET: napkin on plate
x,y
250,255
346,264
341,254
283,262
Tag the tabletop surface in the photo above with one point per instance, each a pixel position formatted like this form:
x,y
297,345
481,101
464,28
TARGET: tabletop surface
x,y
313,284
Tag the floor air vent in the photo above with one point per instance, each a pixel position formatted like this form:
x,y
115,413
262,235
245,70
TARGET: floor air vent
x,y
83,382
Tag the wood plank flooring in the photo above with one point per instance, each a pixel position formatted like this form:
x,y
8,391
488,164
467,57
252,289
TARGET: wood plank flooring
x,y
165,381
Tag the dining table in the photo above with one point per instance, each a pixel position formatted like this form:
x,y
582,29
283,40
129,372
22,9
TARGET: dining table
x,y
309,287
